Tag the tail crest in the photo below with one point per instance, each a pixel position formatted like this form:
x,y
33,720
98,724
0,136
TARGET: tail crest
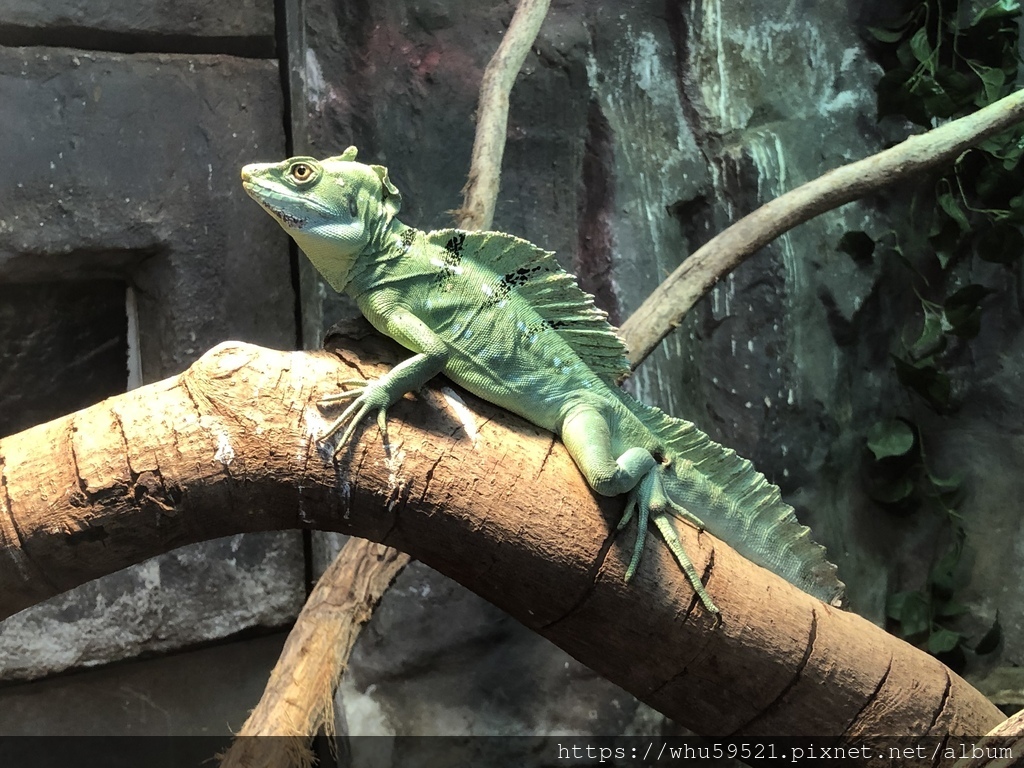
x,y
737,504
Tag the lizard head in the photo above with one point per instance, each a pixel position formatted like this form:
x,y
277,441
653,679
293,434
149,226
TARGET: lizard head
x,y
333,208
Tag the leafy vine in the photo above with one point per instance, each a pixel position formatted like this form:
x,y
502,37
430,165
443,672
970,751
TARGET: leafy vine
x,y
942,61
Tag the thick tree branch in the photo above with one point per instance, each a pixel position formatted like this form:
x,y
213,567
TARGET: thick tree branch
x,y
229,447
664,309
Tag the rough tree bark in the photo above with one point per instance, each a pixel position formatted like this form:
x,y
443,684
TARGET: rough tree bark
x,y
229,446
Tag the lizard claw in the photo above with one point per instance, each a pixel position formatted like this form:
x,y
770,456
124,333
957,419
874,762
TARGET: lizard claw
x,y
650,502
367,396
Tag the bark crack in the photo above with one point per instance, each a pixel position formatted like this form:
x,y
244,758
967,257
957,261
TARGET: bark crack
x,y
82,485
777,702
133,474
27,568
18,553
428,476
942,701
872,697
547,455
591,581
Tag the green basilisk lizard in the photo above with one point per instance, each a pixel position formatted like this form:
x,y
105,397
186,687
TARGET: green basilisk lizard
x,y
500,317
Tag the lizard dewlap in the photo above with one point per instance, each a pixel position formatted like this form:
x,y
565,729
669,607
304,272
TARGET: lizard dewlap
x,y
500,317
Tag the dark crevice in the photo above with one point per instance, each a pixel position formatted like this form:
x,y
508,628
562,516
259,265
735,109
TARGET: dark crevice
x,y
547,455
869,701
284,69
89,39
594,259
797,673
675,19
591,580
942,703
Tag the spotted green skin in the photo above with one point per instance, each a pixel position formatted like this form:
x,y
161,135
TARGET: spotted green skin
x,y
440,296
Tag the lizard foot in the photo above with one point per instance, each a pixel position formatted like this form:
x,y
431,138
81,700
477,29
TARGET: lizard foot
x,y
650,503
366,396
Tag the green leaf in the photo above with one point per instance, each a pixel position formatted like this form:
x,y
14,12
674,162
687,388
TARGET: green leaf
x,y
1003,9
894,604
893,437
858,245
922,48
943,641
931,340
949,204
942,576
892,492
912,612
895,98
936,99
925,379
962,310
883,35
968,296
945,239
991,640
949,609
946,484
992,80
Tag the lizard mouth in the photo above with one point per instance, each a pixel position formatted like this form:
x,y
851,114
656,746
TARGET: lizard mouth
x,y
260,193
268,196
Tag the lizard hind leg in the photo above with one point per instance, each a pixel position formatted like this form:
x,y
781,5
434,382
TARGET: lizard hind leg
x,y
649,500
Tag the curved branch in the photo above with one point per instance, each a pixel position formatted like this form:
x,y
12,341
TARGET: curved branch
x,y
664,309
481,190
228,447
299,697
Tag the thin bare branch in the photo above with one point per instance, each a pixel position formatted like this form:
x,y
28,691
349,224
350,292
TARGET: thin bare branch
x,y
299,697
664,309
481,191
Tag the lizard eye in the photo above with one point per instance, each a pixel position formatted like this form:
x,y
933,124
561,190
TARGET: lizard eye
x,y
301,172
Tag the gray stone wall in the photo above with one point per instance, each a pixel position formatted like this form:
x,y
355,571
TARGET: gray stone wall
x,y
127,249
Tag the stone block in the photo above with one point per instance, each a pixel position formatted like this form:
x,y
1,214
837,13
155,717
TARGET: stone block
x,y
190,596
245,18
126,168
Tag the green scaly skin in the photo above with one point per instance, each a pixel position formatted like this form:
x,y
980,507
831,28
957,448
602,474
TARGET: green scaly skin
x,y
498,316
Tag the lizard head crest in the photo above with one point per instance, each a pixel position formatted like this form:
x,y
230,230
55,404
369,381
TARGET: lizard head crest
x,y
334,208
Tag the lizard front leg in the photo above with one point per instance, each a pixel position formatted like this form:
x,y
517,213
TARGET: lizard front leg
x,y
380,394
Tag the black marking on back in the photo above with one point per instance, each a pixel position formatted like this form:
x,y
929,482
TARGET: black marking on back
x,y
450,261
512,280
407,237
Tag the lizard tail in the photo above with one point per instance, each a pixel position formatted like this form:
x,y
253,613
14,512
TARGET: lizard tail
x,y
736,503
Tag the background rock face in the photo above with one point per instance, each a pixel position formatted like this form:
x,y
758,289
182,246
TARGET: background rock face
x,y
636,132
127,249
